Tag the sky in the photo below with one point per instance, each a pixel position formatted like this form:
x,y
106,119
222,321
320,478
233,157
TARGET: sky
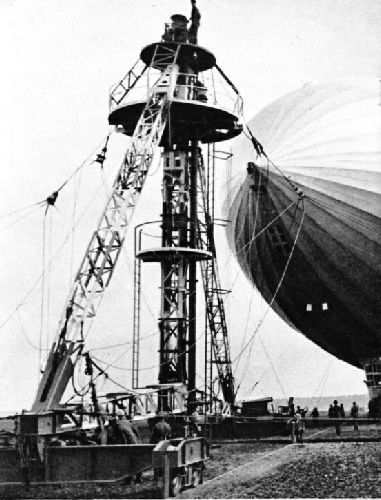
x,y
59,60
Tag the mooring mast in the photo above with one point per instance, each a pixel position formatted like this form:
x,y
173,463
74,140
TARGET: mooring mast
x,y
194,116
172,102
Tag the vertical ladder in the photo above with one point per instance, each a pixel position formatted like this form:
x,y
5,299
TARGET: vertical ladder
x,y
217,345
136,332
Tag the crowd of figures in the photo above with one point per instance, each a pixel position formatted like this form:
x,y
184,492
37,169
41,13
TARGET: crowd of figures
x,y
122,430
336,412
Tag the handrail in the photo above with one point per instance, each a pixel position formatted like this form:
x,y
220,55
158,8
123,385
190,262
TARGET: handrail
x,y
208,90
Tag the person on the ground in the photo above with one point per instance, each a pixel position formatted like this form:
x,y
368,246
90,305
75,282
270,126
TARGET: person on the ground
x,y
300,427
127,433
355,415
195,23
374,406
315,413
330,411
161,430
342,411
194,418
302,411
296,425
336,414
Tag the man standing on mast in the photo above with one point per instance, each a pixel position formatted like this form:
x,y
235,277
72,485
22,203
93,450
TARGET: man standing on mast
x,y
195,23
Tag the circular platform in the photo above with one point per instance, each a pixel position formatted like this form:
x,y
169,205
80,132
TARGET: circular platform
x,y
194,56
188,119
173,254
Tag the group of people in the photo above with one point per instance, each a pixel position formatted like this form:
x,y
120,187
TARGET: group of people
x,y
123,431
337,412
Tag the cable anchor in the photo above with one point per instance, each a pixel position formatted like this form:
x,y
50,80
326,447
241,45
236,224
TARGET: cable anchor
x,y
101,157
50,200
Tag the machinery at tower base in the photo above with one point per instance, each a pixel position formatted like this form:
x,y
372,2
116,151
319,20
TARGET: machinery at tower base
x,y
306,225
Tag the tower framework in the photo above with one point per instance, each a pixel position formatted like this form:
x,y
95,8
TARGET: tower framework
x,y
197,114
171,100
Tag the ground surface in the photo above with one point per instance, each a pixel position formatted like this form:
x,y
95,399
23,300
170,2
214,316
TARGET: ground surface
x,y
224,458
333,469
319,470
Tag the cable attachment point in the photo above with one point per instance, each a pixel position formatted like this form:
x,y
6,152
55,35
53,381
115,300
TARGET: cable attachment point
x,y
50,200
256,144
89,364
299,192
101,157
251,166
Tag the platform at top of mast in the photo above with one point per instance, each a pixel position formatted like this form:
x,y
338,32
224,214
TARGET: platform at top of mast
x,y
204,104
193,56
188,120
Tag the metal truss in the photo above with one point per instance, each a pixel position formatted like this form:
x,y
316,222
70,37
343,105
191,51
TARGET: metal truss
x,y
173,322
121,89
101,256
162,58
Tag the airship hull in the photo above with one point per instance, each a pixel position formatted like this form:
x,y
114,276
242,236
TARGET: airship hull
x,y
307,232
319,271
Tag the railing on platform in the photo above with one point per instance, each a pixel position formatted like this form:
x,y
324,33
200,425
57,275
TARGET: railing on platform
x,y
211,90
148,235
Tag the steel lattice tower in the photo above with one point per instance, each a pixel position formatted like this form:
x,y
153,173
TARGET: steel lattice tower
x,y
185,74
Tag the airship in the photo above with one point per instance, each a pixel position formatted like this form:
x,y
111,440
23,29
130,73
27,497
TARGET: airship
x,y
306,216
